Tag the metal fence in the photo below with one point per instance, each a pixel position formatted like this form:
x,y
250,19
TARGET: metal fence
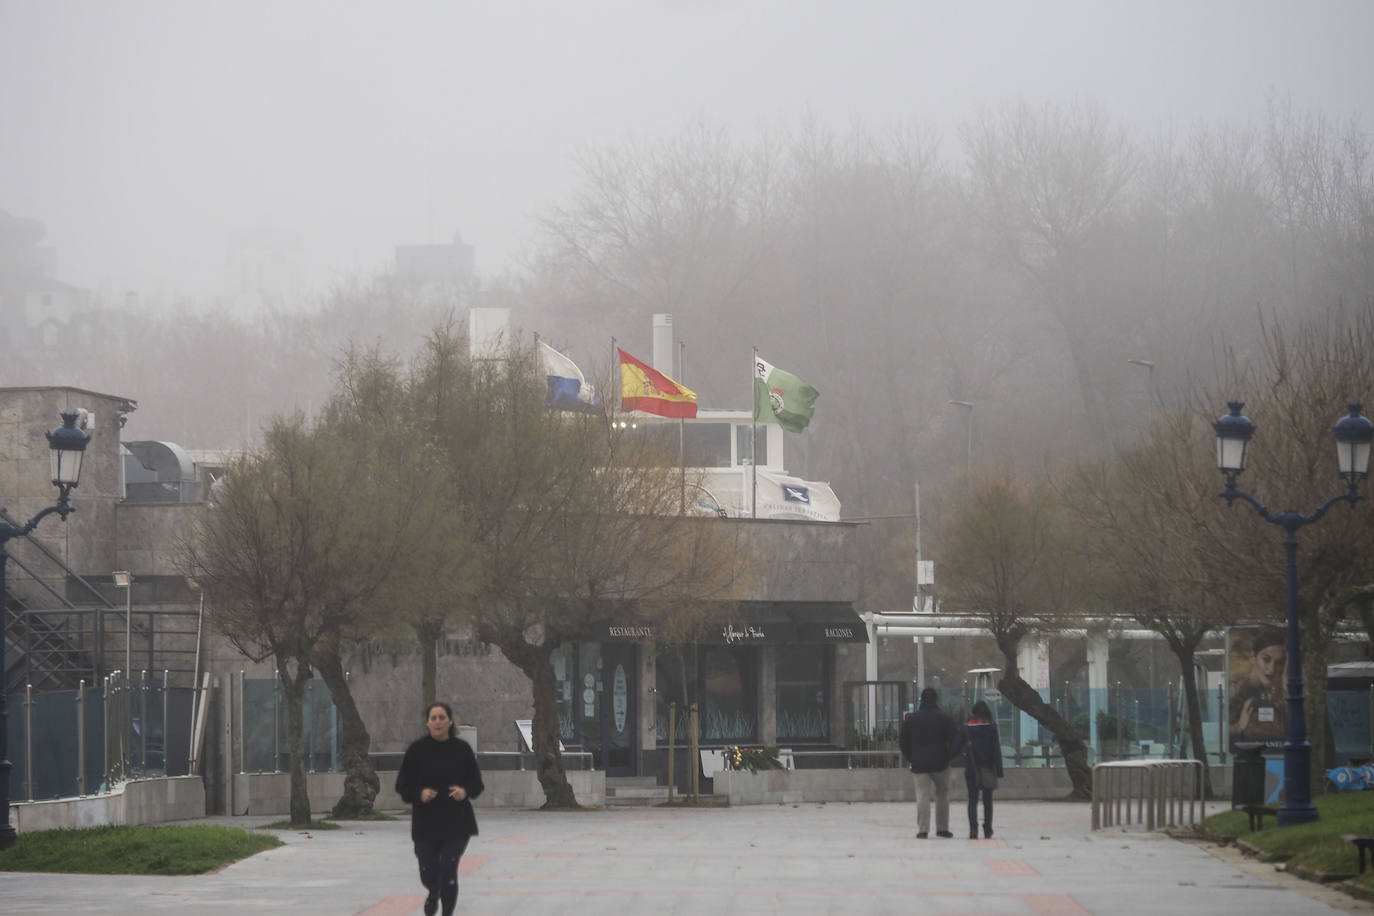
x,y
69,743
262,727
1116,723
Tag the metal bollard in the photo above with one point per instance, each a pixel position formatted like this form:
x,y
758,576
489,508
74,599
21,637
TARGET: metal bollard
x,y
28,739
240,717
81,737
276,722
165,735
143,723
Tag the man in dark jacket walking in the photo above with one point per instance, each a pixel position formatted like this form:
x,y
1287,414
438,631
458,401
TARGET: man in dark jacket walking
x,y
929,740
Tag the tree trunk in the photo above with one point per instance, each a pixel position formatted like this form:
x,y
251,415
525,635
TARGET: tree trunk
x,y
360,780
1025,698
536,663
1314,697
1194,700
293,689
553,777
429,632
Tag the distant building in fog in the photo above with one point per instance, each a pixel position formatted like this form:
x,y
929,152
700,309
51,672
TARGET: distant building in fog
x,y
450,263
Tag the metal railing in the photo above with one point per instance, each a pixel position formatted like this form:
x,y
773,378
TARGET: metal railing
x,y
71,743
1158,789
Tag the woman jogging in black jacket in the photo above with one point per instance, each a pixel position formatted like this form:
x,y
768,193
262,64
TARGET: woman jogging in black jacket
x,y
439,778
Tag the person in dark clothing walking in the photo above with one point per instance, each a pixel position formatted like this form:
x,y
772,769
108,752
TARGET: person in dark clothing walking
x,y
982,765
929,740
439,778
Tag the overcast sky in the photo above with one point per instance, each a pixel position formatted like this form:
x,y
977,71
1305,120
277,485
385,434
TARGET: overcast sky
x,y
151,138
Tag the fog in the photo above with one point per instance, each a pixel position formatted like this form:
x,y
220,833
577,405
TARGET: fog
x,y
1065,214
153,140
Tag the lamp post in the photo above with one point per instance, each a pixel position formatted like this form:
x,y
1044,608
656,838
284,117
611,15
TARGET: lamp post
x,y
67,446
968,449
1149,365
1354,434
125,580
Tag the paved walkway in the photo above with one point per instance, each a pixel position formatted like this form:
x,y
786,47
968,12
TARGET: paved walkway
x,y
803,859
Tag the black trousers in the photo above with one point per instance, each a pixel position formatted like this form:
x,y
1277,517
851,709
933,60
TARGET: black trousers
x,y
971,781
439,868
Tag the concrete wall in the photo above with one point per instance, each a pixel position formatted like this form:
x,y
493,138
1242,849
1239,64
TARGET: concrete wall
x,y
778,787
270,793
84,541
146,539
798,561
141,801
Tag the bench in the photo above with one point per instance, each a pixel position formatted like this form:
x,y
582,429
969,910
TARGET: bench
x,y
1363,843
1257,814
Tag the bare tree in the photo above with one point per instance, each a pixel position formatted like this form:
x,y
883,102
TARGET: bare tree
x,y
1146,554
301,537
569,518
1006,561
1294,392
1046,182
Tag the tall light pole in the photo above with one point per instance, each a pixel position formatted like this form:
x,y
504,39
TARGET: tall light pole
x,y
1151,367
125,580
968,449
67,446
1354,434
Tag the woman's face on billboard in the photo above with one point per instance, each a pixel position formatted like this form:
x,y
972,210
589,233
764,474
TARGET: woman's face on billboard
x,y
1266,665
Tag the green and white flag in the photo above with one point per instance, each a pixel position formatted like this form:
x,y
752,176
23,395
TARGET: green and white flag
x,y
782,398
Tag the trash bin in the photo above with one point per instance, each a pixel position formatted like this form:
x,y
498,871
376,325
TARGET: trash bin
x,y
1247,775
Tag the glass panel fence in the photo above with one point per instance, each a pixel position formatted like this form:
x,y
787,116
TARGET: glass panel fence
x,y
265,725
1115,723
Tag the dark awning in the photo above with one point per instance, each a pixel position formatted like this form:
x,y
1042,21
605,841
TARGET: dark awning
x,y
754,623
757,623
826,622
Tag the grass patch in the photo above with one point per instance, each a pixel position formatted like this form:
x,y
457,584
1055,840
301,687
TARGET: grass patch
x,y
133,850
287,825
369,816
1316,846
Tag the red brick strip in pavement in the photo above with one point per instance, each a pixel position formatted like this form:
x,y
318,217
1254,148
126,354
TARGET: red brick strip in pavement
x,y
400,905
1012,868
1054,905
471,865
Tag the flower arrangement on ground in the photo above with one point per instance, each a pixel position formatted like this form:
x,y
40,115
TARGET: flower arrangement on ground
x,y
752,759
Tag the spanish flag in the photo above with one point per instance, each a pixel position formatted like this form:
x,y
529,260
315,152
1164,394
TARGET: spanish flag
x,y
642,387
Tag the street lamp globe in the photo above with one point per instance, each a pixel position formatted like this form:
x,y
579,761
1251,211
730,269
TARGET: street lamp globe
x,y
1234,431
1353,436
67,447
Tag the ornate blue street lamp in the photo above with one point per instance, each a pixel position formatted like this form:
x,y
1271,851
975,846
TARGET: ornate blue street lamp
x,y
67,446
1354,434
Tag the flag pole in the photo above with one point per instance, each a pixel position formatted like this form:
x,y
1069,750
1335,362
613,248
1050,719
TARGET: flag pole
x,y
682,430
754,437
615,371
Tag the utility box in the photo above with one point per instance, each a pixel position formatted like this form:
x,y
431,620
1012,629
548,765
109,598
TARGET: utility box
x,y
1247,775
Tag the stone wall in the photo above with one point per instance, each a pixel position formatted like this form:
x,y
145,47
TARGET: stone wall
x,y
140,801
84,541
270,793
779,787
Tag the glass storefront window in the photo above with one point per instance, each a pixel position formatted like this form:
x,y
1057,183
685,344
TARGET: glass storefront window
x,y
564,674
675,680
706,445
729,694
802,700
587,697
744,446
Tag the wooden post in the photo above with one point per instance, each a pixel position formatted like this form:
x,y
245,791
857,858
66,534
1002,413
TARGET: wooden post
x,y
672,745
696,756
